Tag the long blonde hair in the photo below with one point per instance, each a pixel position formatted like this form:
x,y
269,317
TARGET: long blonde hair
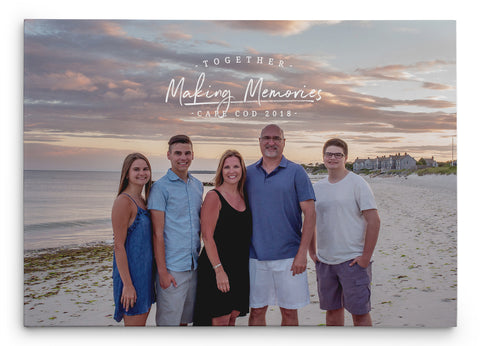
x,y
219,176
127,163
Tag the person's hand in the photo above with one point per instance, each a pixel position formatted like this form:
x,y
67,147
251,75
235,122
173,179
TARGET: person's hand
x,y
313,256
166,280
361,261
299,264
129,297
222,280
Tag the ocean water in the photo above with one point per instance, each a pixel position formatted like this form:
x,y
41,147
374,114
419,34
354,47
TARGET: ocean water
x,y
65,208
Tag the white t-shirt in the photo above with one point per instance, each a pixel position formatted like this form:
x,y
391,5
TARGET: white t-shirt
x,y
340,223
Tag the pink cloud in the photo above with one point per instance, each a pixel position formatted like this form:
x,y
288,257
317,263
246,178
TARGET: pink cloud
x,y
62,81
112,28
177,35
401,72
276,27
134,94
436,86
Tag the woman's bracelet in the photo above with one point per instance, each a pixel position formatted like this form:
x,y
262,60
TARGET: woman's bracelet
x,y
216,266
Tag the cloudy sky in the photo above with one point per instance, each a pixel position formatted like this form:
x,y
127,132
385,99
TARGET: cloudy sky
x,y
97,90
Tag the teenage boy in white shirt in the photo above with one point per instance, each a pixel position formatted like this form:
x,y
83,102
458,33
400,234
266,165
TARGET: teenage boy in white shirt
x,y
347,231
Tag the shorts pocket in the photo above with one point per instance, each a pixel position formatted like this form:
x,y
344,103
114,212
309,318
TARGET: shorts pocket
x,y
362,281
357,299
361,290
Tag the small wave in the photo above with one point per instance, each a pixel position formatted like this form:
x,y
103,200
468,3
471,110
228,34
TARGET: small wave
x,y
65,224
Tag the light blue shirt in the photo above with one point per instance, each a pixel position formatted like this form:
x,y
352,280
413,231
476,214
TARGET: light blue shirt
x,y
181,203
276,214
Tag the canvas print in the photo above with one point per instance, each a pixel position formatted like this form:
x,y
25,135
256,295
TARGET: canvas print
x,y
108,236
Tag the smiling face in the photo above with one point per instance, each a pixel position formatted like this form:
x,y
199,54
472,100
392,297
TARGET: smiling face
x,y
331,160
272,142
139,172
180,156
232,170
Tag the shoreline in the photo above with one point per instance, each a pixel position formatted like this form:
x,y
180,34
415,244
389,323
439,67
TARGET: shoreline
x,y
106,235
28,253
414,271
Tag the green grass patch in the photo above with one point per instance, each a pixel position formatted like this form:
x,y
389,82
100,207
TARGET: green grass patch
x,y
445,170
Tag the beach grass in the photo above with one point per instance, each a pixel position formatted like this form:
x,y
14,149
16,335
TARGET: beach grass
x,y
442,170
445,170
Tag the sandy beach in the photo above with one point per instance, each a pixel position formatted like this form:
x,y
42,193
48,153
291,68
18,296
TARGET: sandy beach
x,y
414,271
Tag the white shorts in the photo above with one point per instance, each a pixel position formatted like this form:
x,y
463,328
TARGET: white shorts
x,y
272,283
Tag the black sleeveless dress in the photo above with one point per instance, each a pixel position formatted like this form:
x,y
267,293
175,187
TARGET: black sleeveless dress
x,y
232,238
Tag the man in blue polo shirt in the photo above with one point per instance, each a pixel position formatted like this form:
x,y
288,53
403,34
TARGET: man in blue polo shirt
x,y
174,202
279,191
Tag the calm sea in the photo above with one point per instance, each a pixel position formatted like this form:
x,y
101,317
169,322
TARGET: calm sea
x,y
64,208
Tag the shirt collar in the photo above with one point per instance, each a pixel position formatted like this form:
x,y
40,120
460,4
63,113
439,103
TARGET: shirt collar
x,y
172,176
283,162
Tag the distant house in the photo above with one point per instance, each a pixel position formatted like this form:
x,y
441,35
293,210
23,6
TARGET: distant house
x,y
431,162
385,163
360,164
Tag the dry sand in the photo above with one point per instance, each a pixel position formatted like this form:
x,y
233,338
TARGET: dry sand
x,y
414,273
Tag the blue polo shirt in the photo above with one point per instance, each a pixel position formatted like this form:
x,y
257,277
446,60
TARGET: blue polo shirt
x,y
276,214
181,203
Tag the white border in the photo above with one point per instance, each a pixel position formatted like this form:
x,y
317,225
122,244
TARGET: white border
x,y
12,165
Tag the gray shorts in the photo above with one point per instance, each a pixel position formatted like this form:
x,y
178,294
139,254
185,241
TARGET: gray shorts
x,y
340,285
175,305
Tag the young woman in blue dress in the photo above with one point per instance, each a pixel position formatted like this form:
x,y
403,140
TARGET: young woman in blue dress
x,y
133,263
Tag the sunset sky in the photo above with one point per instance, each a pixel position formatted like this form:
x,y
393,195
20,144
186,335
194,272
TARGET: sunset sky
x,y
97,90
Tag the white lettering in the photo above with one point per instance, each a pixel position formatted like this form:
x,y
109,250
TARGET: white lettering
x,y
248,59
171,86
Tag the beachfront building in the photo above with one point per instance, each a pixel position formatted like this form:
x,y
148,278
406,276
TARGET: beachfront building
x,y
385,163
368,163
431,162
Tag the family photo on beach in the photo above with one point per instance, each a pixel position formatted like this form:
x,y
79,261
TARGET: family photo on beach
x,y
240,173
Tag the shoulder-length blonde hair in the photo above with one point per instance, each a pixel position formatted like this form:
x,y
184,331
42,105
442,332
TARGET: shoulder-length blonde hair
x,y
127,163
219,176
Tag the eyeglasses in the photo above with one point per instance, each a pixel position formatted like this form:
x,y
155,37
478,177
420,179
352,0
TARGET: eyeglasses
x,y
337,155
276,139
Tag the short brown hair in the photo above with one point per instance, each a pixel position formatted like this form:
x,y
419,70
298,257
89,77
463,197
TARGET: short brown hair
x,y
179,139
338,143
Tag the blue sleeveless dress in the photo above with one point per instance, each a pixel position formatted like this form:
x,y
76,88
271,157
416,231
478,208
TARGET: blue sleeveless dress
x,y
139,248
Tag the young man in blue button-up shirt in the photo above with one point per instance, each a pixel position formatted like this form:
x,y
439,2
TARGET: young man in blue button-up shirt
x,y
174,202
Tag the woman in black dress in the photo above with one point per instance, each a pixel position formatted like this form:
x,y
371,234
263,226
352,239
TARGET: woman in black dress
x,y
226,225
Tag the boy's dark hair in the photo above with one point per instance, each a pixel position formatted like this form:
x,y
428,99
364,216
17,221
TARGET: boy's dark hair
x,y
179,139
